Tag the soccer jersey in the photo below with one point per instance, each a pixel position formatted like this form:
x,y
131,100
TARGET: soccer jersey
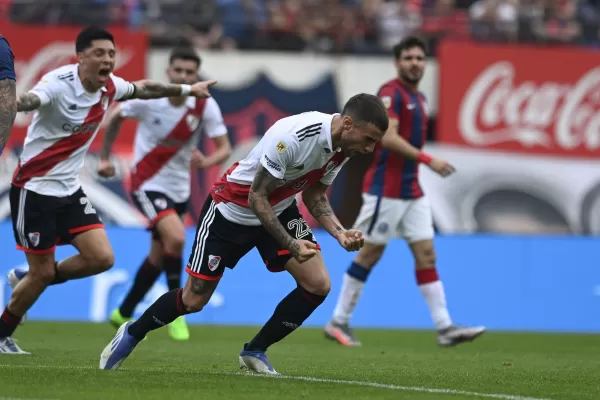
x,y
62,130
165,138
391,175
296,150
7,60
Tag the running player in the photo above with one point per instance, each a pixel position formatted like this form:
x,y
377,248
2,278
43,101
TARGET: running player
x,y
253,205
8,92
394,204
48,205
165,144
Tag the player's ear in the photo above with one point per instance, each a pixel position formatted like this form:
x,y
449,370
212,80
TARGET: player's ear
x,y
347,123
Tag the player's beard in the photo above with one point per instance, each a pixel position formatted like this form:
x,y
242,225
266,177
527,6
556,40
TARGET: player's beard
x,y
409,80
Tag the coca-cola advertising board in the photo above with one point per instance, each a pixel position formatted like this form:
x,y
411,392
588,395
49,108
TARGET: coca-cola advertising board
x,y
39,50
522,125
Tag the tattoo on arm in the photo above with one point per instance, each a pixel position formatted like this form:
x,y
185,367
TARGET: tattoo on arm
x,y
8,109
28,102
318,204
202,287
110,135
258,199
149,89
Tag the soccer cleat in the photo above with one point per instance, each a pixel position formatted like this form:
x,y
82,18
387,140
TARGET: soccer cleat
x,y
454,335
178,329
256,361
341,333
8,346
118,349
15,276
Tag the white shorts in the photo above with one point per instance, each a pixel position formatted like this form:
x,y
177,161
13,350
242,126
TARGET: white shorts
x,y
382,219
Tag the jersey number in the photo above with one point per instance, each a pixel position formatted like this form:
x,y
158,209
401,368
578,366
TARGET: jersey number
x,y
302,228
88,206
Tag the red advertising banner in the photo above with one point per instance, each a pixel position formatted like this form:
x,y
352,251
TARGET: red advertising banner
x,y
40,49
516,98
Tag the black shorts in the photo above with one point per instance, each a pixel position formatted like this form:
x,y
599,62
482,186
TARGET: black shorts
x,y
220,243
157,205
41,222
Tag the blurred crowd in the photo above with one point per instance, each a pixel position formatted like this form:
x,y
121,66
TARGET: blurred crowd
x,y
330,26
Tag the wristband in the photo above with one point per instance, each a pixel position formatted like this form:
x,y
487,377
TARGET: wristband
x,y
186,90
424,158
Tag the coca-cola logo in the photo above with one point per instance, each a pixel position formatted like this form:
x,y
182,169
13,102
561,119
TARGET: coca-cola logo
x,y
84,128
495,109
48,58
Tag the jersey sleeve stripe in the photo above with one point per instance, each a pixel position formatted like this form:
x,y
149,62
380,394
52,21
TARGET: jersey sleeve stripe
x,y
306,128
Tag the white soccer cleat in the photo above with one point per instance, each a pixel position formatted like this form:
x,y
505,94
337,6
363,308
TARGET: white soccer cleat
x,y
256,361
118,349
8,346
454,335
15,276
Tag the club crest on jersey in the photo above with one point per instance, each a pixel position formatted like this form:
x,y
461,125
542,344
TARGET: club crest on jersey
x,y
281,146
104,102
34,238
387,101
213,262
160,203
192,122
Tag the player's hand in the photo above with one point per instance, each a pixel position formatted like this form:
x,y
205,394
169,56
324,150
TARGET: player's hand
x,y
351,240
303,250
198,159
441,167
106,168
200,89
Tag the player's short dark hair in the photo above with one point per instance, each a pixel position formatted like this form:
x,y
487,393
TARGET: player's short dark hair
x,y
367,108
184,53
408,43
88,35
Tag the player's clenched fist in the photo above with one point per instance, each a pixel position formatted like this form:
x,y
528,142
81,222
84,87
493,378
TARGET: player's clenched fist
x,y
106,168
351,240
303,250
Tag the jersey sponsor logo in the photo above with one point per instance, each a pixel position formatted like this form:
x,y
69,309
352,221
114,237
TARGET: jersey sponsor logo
x,y
281,146
387,101
85,128
272,164
34,238
213,262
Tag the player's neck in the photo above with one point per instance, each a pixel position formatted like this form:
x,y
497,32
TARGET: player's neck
x,y
336,131
88,85
413,86
177,101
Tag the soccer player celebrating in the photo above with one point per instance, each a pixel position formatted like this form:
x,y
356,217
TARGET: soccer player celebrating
x,y
253,205
394,204
165,145
8,92
48,205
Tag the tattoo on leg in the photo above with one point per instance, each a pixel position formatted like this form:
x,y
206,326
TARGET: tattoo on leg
x,y
202,287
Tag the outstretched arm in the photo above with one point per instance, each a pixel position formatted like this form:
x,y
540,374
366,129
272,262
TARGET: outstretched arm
x,y
150,89
28,102
258,200
8,109
315,199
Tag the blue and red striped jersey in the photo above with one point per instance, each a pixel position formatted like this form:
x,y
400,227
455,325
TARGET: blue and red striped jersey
x,y
391,175
7,60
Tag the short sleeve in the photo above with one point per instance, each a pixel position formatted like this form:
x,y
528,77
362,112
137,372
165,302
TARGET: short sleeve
x,y
392,100
7,61
212,119
330,176
133,108
47,89
124,89
278,152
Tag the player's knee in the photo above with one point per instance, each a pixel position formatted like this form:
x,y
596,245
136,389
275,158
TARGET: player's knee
x,y
174,243
320,286
101,261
